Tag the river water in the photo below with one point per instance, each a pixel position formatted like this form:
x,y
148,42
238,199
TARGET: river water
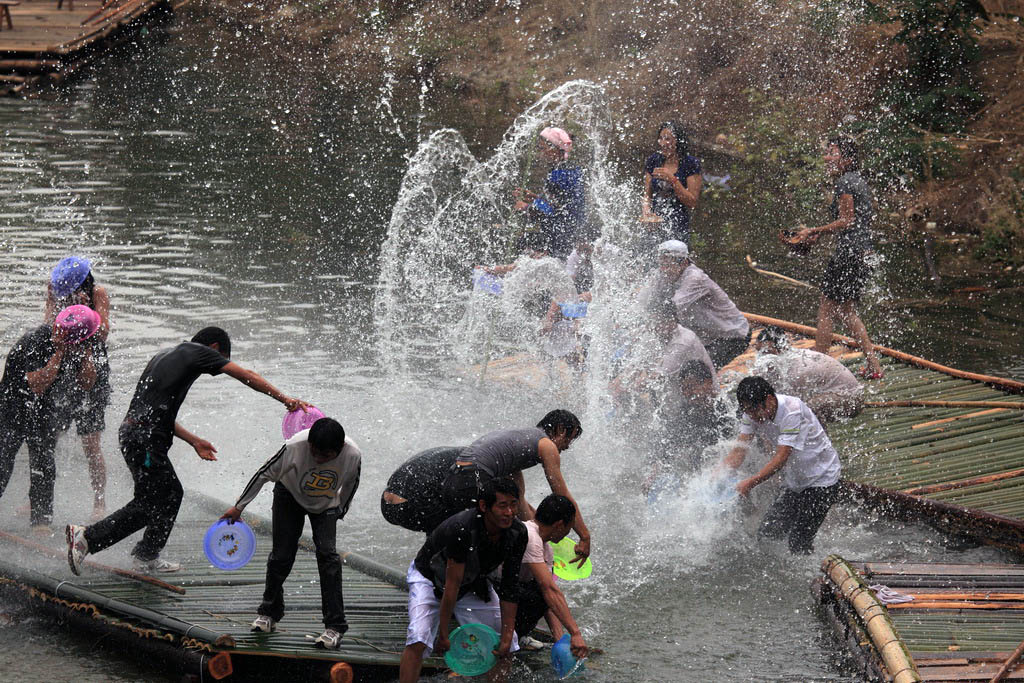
x,y
209,191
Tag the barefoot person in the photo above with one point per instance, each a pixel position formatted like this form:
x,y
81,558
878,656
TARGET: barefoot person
x,y
847,271
146,435
47,373
803,452
72,282
316,474
451,576
506,453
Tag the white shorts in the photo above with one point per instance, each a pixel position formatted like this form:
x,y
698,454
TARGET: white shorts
x,y
425,607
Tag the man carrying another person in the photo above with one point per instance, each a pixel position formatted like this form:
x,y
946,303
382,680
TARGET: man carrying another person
x,y
506,453
449,576
810,465
539,595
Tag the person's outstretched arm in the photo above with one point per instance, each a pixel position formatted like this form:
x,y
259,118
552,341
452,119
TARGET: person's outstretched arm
x,y
204,449
551,461
557,603
256,382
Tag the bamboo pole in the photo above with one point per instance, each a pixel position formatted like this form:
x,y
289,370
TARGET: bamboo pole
x,y
96,565
1008,665
1012,405
785,278
999,382
952,485
897,659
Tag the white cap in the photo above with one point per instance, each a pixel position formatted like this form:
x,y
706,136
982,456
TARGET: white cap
x,y
674,248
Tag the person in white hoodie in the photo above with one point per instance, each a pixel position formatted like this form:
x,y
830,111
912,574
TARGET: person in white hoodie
x,y
316,474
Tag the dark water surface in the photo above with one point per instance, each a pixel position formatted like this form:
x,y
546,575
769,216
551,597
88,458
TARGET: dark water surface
x,y
210,191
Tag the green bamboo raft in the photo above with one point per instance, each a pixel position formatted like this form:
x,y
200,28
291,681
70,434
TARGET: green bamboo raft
x,y
964,623
935,444
199,620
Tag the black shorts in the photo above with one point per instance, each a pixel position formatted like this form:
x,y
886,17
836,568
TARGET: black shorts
x,y
413,517
845,276
531,608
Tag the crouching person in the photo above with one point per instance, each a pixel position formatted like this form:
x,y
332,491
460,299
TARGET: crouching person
x,y
449,576
539,595
316,474
803,452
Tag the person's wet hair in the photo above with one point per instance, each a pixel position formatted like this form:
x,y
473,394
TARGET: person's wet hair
x,y
490,490
554,509
327,434
211,335
847,150
775,336
682,137
753,391
561,419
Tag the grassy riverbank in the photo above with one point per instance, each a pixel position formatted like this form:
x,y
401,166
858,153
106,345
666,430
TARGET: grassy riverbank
x,y
766,81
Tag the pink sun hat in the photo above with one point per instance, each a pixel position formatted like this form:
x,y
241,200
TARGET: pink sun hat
x,y
295,421
78,323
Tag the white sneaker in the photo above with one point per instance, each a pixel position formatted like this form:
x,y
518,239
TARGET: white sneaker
x,y
78,547
532,644
329,640
264,624
157,565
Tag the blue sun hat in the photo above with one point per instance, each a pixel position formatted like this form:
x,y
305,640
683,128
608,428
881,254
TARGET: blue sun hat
x,y
69,275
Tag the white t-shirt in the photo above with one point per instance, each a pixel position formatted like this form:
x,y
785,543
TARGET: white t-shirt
x,y
813,461
702,306
536,551
683,347
803,373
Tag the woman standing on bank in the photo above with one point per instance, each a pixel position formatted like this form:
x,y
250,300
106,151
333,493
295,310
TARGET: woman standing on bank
x,y
72,282
672,184
847,271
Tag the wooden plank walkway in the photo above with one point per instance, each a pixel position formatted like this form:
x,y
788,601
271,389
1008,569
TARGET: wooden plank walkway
x,y
217,607
47,43
964,622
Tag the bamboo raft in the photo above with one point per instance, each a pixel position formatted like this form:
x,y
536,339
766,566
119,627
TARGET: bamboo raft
x,y
934,444
965,622
198,621
49,40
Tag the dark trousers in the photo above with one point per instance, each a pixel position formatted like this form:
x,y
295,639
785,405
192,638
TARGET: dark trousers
x,y
288,520
154,505
798,516
461,489
531,608
724,351
42,471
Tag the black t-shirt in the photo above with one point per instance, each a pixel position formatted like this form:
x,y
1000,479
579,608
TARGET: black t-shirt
x,y
163,387
421,476
19,404
463,538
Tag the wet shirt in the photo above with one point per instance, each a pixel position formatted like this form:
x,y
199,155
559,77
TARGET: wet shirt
x,y
684,346
463,539
804,372
703,307
505,451
813,461
561,211
537,551
663,198
857,237
423,474
55,407
163,386
317,487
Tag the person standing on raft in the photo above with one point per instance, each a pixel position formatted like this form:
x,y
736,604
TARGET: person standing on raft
x,y
72,283
506,453
847,271
803,452
146,435
47,373
316,474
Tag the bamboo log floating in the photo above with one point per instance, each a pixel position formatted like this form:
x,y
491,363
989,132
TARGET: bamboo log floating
x,y
50,552
1008,665
897,659
1002,383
